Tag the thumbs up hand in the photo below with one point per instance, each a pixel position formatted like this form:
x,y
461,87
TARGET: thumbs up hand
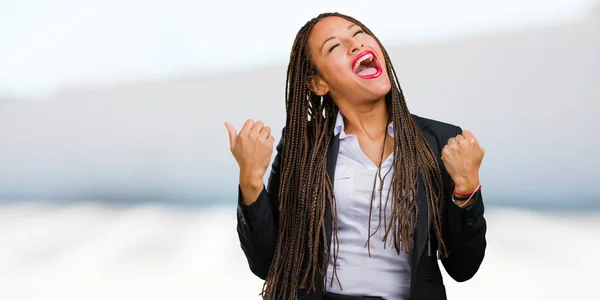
x,y
252,148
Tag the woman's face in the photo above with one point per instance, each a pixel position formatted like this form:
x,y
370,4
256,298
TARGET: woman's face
x,y
349,62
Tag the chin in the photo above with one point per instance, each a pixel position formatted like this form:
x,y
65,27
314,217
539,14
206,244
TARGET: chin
x,y
382,88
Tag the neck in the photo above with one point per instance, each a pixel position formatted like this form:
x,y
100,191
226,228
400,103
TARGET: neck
x,y
366,119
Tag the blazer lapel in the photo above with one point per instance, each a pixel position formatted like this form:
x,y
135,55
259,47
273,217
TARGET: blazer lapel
x,y
332,154
422,221
421,232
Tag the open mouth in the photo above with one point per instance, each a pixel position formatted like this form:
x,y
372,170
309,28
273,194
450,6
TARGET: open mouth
x,y
366,65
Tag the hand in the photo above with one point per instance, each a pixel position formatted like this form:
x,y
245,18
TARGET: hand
x,y
462,157
252,149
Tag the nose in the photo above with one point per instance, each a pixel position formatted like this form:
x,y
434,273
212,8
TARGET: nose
x,y
356,47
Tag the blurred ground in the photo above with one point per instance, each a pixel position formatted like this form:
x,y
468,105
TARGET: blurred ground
x,y
91,251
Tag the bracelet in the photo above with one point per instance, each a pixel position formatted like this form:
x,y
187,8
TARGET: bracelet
x,y
468,199
468,194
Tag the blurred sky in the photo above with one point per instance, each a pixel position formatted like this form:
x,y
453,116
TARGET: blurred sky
x,y
46,45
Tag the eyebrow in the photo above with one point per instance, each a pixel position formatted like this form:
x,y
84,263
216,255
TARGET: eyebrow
x,y
333,37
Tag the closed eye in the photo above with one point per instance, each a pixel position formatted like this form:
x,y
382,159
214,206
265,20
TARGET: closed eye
x,y
333,47
360,31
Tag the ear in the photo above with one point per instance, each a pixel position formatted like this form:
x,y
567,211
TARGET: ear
x,y
317,85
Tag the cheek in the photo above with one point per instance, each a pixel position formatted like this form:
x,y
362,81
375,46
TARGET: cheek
x,y
384,68
334,70
339,63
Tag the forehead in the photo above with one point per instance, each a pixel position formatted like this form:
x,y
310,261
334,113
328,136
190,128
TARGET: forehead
x,y
328,27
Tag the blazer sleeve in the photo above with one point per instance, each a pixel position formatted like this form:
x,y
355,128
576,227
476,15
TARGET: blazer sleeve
x,y
464,234
257,223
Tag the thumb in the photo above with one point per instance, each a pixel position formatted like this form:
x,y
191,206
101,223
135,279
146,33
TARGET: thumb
x,y
232,134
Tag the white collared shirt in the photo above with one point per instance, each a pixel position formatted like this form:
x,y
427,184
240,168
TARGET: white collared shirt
x,y
385,273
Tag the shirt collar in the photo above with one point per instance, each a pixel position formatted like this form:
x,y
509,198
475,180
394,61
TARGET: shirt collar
x,y
339,127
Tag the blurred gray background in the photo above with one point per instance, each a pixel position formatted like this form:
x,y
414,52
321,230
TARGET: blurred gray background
x,y
530,96
114,156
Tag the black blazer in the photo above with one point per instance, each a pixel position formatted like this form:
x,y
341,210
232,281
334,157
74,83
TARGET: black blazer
x,y
464,229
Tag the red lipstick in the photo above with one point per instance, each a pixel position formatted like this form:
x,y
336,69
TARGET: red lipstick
x,y
374,63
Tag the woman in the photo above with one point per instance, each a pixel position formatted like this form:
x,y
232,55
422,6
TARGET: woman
x,y
361,193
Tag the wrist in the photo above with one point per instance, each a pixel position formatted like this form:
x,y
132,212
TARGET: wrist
x,y
465,199
467,185
251,185
250,190
251,181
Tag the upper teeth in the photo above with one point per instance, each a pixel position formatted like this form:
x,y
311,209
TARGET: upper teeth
x,y
368,57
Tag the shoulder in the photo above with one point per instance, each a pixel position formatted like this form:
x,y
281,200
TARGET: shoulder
x,y
436,127
436,132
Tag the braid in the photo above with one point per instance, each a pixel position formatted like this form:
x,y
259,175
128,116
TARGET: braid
x,y
306,189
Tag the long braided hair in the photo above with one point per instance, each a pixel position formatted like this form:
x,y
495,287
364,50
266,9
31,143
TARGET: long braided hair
x,y
306,189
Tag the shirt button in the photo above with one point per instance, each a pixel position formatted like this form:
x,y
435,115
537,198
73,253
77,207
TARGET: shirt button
x,y
470,222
